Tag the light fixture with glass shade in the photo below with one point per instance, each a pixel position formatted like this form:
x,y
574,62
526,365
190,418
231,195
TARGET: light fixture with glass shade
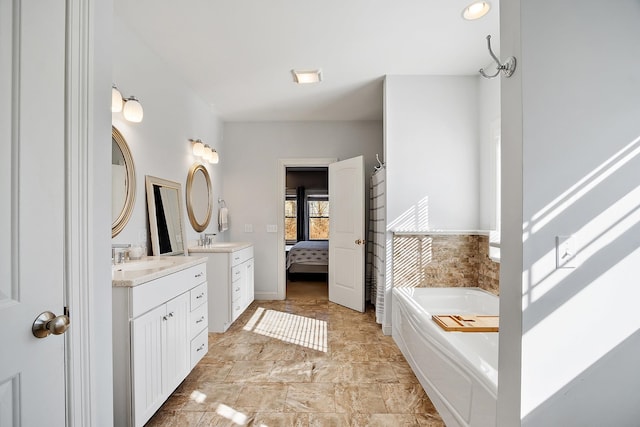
x,y
214,158
116,100
198,147
132,110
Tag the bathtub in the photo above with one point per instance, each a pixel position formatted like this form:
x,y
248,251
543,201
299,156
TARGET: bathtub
x,y
458,370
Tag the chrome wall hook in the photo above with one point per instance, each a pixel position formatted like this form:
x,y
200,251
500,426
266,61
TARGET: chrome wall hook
x,y
507,68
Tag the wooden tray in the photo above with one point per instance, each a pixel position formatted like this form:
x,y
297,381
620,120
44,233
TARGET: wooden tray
x,y
467,322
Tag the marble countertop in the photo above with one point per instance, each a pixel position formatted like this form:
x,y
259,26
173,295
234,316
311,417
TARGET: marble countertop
x,y
134,273
220,247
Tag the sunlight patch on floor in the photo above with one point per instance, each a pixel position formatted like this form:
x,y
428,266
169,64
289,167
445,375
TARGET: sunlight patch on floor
x,y
290,328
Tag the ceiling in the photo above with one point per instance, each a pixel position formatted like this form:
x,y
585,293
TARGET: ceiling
x,y
238,54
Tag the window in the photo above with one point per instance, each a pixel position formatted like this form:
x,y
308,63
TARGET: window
x,y
318,217
290,219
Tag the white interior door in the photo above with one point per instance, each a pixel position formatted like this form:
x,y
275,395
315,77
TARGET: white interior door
x,y
32,212
347,233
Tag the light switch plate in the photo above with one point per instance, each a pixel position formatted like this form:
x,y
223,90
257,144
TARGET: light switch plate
x,y
272,228
248,228
565,252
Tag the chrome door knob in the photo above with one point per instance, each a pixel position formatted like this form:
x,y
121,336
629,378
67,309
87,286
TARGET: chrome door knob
x,y
48,323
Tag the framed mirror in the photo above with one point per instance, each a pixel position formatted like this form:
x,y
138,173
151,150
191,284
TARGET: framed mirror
x,y
199,200
123,182
165,216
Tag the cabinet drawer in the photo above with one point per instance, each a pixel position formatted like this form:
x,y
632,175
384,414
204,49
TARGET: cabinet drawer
x,y
199,347
236,273
238,257
236,290
198,320
198,295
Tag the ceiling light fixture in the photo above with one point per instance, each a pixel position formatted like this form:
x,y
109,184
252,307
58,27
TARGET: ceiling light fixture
x,y
306,76
476,10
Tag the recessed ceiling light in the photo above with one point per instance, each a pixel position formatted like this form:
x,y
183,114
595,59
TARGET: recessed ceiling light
x,y
476,10
306,76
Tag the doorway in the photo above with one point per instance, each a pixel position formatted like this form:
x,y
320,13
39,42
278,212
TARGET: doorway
x,y
309,281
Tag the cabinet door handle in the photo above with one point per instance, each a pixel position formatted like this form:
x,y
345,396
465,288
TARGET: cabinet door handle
x,y
200,348
165,318
200,320
200,296
236,258
171,314
199,274
237,289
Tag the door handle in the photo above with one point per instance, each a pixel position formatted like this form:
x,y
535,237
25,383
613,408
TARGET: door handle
x,y
48,323
360,241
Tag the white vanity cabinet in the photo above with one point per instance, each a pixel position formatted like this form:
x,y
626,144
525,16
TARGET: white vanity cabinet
x,y
230,285
159,334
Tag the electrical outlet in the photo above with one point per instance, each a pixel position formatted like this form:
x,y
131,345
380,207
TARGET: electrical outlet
x,y
565,252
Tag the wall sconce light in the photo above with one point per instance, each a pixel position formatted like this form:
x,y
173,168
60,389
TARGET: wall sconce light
x,y
130,107
116,100
206,153
132,110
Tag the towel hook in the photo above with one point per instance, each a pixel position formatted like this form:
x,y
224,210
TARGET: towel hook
x,y
507,68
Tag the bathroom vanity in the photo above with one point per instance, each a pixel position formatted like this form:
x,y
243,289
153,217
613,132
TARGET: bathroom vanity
x,y
159,331
230,272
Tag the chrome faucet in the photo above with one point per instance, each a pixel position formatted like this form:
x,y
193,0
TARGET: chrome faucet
x,y
119,256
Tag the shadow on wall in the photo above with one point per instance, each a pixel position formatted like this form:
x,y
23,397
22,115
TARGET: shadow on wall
x,y
604,209
444,261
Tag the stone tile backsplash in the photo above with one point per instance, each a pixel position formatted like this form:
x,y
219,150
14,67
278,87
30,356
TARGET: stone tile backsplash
x,y
443,261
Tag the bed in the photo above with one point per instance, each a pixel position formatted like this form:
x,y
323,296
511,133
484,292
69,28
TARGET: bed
x,y
309,256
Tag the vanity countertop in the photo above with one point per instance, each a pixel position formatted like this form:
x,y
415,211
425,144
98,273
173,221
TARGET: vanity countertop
x,y
220,247
134,273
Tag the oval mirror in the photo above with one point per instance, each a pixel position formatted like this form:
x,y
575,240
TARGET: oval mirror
x,y
199,201
123,182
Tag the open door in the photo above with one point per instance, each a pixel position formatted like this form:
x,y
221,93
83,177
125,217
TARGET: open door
x,y
32,215
346,233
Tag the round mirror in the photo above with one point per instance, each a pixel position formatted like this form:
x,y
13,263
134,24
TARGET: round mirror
x,y
123,182
199,201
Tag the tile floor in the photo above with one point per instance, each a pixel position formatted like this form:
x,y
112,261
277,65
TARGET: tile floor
x,y
300,362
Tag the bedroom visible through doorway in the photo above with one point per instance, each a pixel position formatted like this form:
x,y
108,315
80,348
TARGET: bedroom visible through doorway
x,y
306,232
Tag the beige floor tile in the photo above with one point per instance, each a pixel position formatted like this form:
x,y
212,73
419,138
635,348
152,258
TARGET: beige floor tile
x,y
207,397
372,372
359,398
248,378
310,397
174,419
329,420
406,399
250,371
286,371
429,420
384,420
262,398
263,419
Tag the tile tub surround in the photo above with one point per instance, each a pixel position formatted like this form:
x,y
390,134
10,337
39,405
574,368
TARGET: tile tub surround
x,y
444,261
361,380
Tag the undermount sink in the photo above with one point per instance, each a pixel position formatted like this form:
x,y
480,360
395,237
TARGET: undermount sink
x,y
143,265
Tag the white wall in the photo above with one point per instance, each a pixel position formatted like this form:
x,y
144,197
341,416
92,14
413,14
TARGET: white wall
x,y
173,113
488,116
431,146
250,165
578,144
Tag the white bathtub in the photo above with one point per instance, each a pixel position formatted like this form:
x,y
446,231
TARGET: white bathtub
x,y
458,370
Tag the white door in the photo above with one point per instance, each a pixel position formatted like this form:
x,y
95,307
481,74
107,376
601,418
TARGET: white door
x,y
347,233
32,211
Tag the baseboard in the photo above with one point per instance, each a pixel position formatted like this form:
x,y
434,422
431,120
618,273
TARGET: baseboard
x,y
267,296
386,329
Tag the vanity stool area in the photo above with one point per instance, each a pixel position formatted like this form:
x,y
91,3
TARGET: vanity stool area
x,y
159,331
231,281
